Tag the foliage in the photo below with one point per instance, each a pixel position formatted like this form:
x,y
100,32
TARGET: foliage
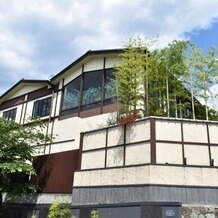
x,y
206,75
172,65
167,81
16,155
128,75
94,214
58,210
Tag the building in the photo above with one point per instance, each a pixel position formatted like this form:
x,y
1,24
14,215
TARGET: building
x,y
158,167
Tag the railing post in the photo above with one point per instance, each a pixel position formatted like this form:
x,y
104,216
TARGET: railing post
x,y
80,150
153,140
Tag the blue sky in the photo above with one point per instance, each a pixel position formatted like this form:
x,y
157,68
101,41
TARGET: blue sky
x,y
40,38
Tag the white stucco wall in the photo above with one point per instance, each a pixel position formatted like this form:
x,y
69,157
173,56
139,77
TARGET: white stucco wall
x,y
168,130
94,64
195,132
94,140
214,154
150,174
115,157
94,159
110,62
169,153
138,154
197,154
115,136
26,89
213,131
72,74
139,131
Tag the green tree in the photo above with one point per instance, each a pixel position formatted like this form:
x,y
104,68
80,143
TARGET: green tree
x,y
206,76
165,82
200,76
133,74
16,156
128,76
171,60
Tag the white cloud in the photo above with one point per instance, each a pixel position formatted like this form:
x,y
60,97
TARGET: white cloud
x,y
39,38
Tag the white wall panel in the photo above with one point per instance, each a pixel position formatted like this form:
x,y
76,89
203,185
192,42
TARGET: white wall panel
x,y
94,159
214,154
195,132
213,132
115,156
94,64
169,153
94,140
72,74
138,154
26,89
168,130
197,155
115,136
110,62
138,131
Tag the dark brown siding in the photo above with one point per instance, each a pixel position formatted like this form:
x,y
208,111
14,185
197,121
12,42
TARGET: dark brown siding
x,y
55,172
89,113
13,102
39,93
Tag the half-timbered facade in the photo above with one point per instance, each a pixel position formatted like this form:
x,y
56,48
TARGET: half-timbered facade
x,y
153,161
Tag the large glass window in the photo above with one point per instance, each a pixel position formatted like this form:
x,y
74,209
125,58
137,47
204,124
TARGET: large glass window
x,y
110,86
42,107
10,114
92,94
92,89
72,95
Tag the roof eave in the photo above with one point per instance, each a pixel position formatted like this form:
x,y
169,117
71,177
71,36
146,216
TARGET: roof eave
x,y
5,95
82,59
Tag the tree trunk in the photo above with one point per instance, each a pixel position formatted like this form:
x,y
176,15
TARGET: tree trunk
x,y
193,104
168,98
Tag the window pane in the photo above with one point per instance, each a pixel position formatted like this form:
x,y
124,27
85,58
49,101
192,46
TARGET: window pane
x,y
42,107
10,114
92,88
110,85
72,94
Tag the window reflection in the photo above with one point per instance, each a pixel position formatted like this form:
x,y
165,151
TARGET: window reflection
x,y
72,95
92,95
92,89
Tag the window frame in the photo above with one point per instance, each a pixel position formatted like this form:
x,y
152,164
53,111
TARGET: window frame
x,y
98,103
42,107
10,114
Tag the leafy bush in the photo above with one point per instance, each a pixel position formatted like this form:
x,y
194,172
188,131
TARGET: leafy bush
x,y
58,210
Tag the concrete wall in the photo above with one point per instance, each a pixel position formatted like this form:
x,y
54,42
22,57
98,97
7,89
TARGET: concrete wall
x,y
148,174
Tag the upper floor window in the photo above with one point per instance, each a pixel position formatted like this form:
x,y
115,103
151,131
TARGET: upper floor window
x,y
42,107
72,95
90,90
110,88
10,114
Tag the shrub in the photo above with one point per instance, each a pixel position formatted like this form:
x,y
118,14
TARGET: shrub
x,y
58,210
